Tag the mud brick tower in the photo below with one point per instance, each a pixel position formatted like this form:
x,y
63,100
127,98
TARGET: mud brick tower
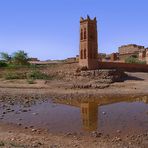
x,y
88,43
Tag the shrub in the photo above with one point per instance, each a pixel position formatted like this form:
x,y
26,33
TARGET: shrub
x,y
2,143
14,75
133,60
141,62
3,64
31,81
38,75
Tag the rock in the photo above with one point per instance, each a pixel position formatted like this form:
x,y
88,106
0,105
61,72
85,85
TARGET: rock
x,y
118,131
19,124
33,130
24,110
35,113
104,113
53,146
96,134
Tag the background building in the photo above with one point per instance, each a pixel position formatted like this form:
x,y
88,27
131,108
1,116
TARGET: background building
x,y
130,50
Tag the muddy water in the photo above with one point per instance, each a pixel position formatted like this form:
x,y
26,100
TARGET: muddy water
x,y
105,115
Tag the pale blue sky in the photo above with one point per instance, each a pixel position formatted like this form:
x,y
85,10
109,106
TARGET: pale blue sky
x,y
49,29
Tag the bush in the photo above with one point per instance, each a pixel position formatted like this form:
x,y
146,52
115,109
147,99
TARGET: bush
x,y
15,66
31,81
30,76
2,143
14,75
133,60
3,64
37,75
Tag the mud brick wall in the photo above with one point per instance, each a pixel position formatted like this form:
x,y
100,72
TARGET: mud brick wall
x,y
124,66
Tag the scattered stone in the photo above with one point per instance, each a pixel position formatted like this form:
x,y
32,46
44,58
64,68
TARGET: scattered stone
x,y
19,124
53,146
96,134
104,113
24,110
35,113
118,131
33,130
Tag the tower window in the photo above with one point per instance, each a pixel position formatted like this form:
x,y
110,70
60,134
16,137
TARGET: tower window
x,y
81,54
81,34
84,53
84,33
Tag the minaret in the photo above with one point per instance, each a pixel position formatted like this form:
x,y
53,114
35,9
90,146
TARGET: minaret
x,y
88,43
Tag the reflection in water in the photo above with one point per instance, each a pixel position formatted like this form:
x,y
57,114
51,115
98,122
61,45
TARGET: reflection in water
x,y
89,113
89,109
70,115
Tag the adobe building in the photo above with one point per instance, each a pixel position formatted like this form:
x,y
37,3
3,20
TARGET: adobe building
x,y
129,50
88,43
142,55
114,57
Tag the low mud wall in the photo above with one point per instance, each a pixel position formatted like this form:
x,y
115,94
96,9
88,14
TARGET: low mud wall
x,y
124,66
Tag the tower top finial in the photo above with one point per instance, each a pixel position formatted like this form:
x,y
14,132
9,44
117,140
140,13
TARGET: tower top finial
x,y
88,17
81,19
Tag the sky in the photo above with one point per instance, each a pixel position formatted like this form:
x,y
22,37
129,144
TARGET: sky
x,y
49,29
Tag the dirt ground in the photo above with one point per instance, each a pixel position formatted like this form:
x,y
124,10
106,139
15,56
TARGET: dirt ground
x,y
14,136
15,90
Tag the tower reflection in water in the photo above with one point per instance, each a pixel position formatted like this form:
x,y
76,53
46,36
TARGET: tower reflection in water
x,y
89,109
89,113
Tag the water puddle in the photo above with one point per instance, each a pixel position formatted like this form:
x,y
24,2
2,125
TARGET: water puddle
x,y
105,115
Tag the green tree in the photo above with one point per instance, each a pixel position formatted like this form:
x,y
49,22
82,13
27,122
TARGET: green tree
x,y
20,58
5,57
